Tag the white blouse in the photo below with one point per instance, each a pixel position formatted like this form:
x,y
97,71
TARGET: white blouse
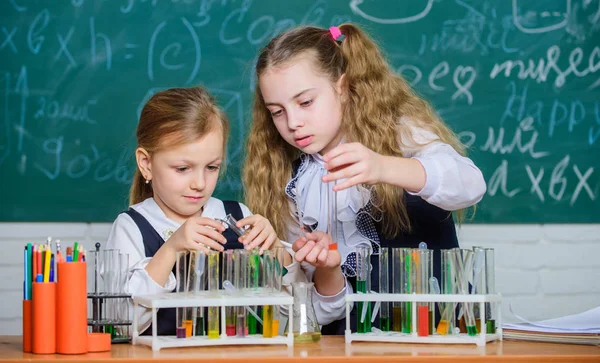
x,y
452,182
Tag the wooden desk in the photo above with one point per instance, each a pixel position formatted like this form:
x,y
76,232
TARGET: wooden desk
x,y
330,349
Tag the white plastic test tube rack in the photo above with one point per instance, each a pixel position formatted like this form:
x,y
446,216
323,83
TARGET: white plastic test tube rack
x,y
205,299
392,336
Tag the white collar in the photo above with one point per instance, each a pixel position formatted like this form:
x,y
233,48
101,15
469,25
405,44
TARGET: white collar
x,y
311,197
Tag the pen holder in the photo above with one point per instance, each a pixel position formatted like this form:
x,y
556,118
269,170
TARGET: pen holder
x,y
71,309
44,318
27,321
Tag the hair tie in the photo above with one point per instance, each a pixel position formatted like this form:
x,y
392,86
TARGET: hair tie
x,y
336,33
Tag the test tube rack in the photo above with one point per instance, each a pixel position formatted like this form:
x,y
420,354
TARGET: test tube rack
x,y
99,324
392,336
222,299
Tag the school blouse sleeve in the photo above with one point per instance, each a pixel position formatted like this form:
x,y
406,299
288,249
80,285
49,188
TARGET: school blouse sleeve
x,y
126,237
453,181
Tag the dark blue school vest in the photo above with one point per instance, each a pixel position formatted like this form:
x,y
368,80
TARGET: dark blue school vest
x,y
153,241
429,224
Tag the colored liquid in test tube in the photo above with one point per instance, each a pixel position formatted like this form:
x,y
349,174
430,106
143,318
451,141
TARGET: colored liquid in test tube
x,y
278,262
384,288
479,282
448,286
424,259
213,287
363,285
181,278
241,282
228,274
272,284
490,278
397,269
254,284
190,279
409,279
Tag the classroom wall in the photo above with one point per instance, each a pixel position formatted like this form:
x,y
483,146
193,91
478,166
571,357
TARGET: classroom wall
x,y
543,271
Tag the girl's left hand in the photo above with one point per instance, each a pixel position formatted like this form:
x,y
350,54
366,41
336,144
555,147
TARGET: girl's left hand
x,y
354,162
261,234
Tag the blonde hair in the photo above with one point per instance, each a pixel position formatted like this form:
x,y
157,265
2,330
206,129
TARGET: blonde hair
x,y
366,119
172,117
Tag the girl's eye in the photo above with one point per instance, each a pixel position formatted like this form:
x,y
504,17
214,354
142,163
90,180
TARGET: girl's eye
x,y
276,113
181,169
306,103
214,167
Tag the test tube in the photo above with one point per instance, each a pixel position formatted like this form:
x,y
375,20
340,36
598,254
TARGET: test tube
x,y
253,286
463,269
431,304
384,288
197,283
230,222
479,280
422,286
181,278
241,283
490,278
110,275
332,212
228,274
122,304
363,285
213,288
448,286
408,286
397,272
95,287
268,282
278,256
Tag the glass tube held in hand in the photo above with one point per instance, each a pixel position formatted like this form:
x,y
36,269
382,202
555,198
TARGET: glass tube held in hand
x,y
363,285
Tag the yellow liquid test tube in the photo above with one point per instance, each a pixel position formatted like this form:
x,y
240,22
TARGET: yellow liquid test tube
x,y
188,328
268,321
213,287
213,322
442,328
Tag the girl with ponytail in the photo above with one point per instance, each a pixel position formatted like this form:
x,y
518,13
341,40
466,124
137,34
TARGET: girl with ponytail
x,y
329,113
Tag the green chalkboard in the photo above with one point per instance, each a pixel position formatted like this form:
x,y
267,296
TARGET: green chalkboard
x,y
519,80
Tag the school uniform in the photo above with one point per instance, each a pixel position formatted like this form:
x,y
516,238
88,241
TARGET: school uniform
x,y
453,182
142,230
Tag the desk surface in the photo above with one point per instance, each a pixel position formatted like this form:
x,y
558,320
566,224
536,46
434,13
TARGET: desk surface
x,y
330,349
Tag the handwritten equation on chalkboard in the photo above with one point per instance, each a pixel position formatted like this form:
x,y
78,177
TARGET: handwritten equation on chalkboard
x,y
519,81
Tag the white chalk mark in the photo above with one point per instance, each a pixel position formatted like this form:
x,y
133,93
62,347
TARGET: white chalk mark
x,y
354,5
544,29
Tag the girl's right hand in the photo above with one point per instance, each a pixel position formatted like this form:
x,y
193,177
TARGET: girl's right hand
x,y
316,249
198,233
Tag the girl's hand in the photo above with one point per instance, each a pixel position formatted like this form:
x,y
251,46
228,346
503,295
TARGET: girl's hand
x,y
198,233
261,234
318,249
354,162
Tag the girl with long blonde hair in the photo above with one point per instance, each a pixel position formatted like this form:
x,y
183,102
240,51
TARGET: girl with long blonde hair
x,y
329,113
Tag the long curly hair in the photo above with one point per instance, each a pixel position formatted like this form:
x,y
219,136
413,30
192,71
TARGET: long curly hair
x,y
377,100
175,116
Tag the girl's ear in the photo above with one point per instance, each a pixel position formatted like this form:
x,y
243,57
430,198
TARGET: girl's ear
x,y
144,163
341,87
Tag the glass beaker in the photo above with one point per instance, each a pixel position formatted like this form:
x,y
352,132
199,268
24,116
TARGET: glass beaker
x,y
306,328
